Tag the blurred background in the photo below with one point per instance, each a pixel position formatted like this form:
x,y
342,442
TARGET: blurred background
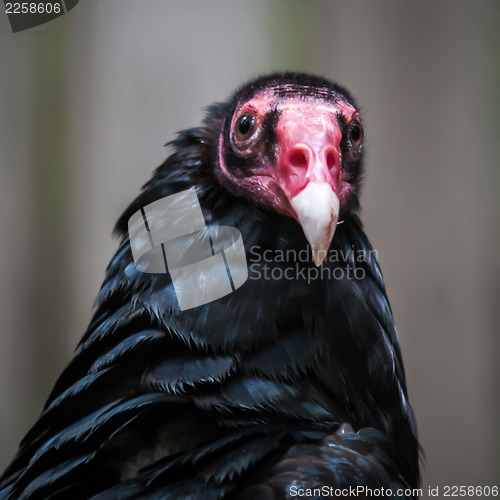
x,y
88,100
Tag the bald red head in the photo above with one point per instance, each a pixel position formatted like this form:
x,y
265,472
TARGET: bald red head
x,y
284,148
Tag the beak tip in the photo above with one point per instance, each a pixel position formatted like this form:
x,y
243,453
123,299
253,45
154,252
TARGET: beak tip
x,y
318,256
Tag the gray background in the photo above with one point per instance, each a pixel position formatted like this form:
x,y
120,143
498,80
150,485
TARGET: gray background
x,y
88,100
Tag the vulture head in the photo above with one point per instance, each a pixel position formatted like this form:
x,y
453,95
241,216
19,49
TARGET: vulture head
x,y
294,144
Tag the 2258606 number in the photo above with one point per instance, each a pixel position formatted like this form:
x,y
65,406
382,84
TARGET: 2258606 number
x,y
470,491
33,8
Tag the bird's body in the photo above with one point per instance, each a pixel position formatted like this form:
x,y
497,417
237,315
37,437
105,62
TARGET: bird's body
x,y
294,380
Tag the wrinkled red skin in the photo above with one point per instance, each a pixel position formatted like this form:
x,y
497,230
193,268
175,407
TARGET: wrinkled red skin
x,y
308,149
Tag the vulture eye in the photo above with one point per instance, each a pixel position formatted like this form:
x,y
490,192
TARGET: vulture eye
x,y
355,133
245,126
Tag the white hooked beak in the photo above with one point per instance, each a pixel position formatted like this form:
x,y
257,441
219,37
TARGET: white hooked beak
x,y
317,208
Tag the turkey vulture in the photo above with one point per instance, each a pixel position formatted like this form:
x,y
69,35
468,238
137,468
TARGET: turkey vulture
x,y
291,385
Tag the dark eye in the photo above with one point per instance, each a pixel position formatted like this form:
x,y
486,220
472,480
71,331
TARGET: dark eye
x,y
355,133
244,127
